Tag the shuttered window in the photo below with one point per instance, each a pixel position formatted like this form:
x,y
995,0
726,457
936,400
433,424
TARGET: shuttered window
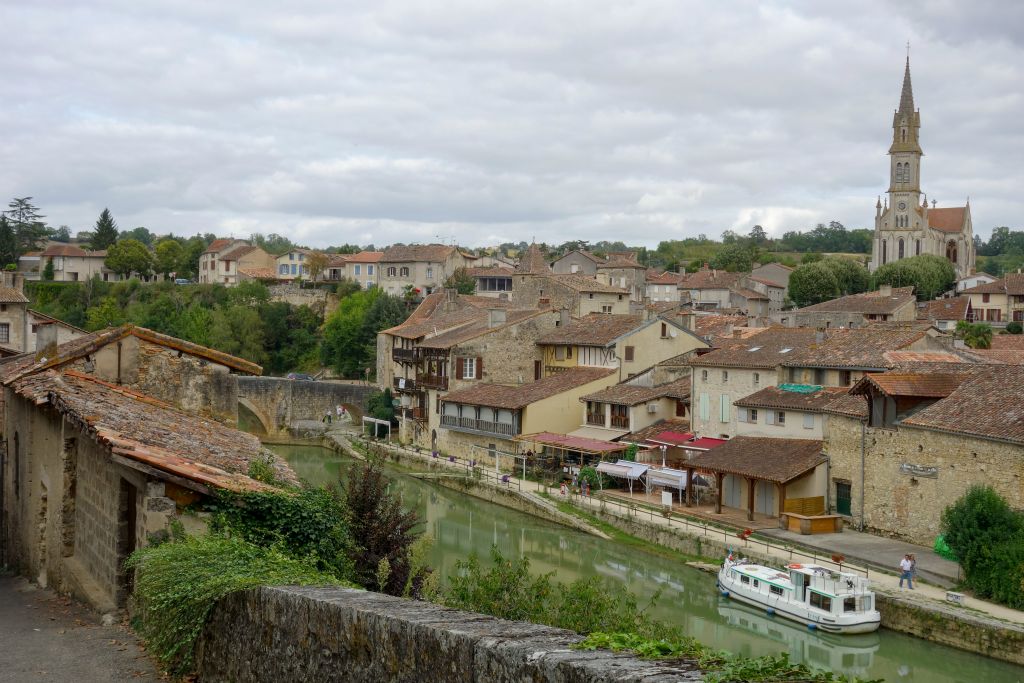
x,y
629,353
724,417
705,408
808,420
769,417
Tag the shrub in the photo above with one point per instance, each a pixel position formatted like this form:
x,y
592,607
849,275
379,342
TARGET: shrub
x,y
1014,327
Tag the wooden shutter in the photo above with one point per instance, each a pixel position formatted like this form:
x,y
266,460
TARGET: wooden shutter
x,y
769,417
629,353
741,414
479,367
458,368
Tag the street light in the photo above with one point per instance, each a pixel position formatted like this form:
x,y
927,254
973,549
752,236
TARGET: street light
x,y
663,448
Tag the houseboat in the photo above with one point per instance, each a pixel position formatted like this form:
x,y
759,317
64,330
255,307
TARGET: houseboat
x,y
816,596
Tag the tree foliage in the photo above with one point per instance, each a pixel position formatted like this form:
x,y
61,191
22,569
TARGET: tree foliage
x,y
975,335
105,234
928,274
48,273
129,257
734,257
813,283
9,252
461,281
317,264
350,333
30,231
167,256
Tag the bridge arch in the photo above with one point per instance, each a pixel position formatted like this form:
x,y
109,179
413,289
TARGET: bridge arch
x,y
257,414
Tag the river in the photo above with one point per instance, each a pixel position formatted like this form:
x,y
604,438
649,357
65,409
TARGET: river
x,y
461,525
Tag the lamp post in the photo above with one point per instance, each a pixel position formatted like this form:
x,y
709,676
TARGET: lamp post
x,y
663,448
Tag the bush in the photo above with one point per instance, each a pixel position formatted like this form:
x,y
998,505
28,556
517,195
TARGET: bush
x,y
1014,327
928,274
178,584
988,536
813,283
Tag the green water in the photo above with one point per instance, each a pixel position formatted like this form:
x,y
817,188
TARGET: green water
x,y
462,525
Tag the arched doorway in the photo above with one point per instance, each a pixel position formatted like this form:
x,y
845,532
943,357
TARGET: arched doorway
x,y
951,251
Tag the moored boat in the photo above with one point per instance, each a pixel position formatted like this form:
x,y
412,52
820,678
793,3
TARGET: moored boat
x,y
816,596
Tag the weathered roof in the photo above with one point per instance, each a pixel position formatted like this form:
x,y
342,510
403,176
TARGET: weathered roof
x,y
666,278
847,405
490,271
595,329
747,293
11,295
365,257
947,219
631,395
766,349
900,358
767,282
573,443
477,328
998,356
712,279
85,345
259,273
862,347
715,325
672,431
620,261
151,432
1007,341
945,309
72,250
867,303
237,252
777,460
217,245
583,252
516,397
923,385
582,283
533,262
812,401
407,253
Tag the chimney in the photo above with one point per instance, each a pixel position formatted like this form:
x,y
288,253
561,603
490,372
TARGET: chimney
x,y
563,317
46,338
451,299
885,290
728,330
686,319
495,317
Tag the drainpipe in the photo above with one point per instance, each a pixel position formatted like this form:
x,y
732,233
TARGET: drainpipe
x,y
118,362
863,438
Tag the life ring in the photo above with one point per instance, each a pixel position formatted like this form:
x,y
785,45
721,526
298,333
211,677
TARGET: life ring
x,y
795,566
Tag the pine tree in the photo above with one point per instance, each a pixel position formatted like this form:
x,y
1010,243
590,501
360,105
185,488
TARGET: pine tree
x,y
8,243
105,233
48,270
30,231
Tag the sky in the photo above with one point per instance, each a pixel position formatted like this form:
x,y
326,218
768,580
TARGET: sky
x,y
484,122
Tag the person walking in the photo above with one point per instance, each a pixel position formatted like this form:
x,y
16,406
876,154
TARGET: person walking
x,y
907,572
913,566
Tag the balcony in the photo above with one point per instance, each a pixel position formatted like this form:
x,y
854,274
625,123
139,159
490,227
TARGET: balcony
x,y
595,419
432,382
404,355
620,421
432,354
406,385
469,424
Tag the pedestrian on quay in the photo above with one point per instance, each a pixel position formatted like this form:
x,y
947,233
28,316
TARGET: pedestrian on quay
x,y
340,411
907,572
913,566
562,490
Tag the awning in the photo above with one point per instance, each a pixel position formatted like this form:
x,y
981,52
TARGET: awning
x,y
670,438
623,469
704,444
573,443
672,478
599,433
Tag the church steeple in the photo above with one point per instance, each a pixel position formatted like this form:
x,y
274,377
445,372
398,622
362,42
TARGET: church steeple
x,y
907,96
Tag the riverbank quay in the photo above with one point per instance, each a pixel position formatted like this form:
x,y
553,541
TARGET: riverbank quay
x,y
976,626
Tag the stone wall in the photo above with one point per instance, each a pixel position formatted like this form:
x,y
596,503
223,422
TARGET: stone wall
x,y
278,402
337,634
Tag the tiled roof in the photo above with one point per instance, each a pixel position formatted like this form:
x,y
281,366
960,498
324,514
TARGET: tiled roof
x,y
847,405
1007,341
532,261
862,347
712,279
998,356
582,283
765,281
217,245
1012,284
748,456
620,261
994,287
88,344
677,428
514,398
154,433
779,397
945,309
766,349
69,250
365,257
430,253
490,271
259,273
923,385
236,253
477,328
901,358
666,278
715,325
596,329
630,395
867,303
437,322
947,219
11,295
750,293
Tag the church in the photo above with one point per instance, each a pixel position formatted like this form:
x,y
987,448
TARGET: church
x,y
905,225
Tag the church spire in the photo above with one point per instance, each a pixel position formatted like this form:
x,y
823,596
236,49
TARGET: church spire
x,y
907,95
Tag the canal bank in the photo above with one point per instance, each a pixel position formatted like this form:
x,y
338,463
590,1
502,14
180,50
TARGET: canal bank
x,y
462,525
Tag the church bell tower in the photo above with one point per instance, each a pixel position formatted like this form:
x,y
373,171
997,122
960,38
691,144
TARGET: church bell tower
x,y
905,160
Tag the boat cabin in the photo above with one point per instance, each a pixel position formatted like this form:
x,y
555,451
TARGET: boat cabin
x,y
818,587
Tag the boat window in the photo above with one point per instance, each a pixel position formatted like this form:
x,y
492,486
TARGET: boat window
x,y
822,602
756,583
865,603
775,590
744,579
850,604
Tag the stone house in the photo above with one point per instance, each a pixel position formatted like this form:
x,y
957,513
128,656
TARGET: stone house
x,y
363,268
750,301
620,409
906,444
888,304
483,421
535,285
577,262
775,273
494,281
422,266
629,344
740,366
663,286
789,411
622,270
14,330
74,264
711,289
292,265
998,302
228,262
775,292
944,314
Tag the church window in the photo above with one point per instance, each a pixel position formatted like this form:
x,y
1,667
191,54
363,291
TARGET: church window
x,y
899,173
904,135
917,247
885,252
906,172
900,244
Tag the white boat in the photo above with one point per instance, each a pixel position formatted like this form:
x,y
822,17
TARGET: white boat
x,y
816,596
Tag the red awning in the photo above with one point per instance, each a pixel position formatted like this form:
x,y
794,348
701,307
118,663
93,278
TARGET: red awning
x,y
705,444
671,438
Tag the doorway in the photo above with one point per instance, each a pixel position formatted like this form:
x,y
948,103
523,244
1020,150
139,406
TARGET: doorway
x,y
126,530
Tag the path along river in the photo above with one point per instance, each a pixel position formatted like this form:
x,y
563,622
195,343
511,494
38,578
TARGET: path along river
x,y
462,525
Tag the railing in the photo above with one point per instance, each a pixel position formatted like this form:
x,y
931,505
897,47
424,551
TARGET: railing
x,y
500,428
596,419
432,382
405,384
620,421
432,354
472,468
404,355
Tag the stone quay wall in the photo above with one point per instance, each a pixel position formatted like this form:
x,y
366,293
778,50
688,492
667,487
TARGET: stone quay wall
x,y
298,634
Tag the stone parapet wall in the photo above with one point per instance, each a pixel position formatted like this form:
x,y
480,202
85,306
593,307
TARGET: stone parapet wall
x,y
337,634
279,402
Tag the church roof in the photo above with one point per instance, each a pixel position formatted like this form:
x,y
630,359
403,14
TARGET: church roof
x,y
533,261
947,219
907,95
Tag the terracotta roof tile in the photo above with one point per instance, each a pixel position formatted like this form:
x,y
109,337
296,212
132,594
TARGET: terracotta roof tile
x,y
596,329
365,257
715,325
532,261
1007,341
675,427
750,293
947,219
217,245
666,278
712,279
901,358
847,405
477,328
988,405
998,356
631,395
789,399
923,385
582,283
516,397
769,347
777,460
407,253
10,295
867,303
945,309
862,347
490,271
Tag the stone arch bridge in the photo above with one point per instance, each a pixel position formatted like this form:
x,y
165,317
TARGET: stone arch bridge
x,y
277,402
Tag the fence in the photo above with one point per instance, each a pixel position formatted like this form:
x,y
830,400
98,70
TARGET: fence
x,y
471,468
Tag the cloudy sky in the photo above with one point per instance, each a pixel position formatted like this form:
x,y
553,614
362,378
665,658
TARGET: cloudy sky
x,y
481,121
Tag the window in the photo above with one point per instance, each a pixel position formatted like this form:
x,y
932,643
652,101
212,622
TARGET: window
x,y
725,376
780,418
985,298
664,330
680,408
775,590
282,269
291,257
885,251
822,602
560,352
5,333
295,269
744,578
899,244
392,271
724,407
369,270
705,409
752,415
430,273
819,376
850,604
574,268
404,271
844,378
808,420
704,375
629,354
757,378
606,309
917,247
844,497
469,368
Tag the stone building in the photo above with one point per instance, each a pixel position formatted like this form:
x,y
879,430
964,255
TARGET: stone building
x,y
622,270
494,281
774,273
74,264
229,261
791,411
944,314
91,467
626,408
998,302
663,286
905,225
577,262
710,288
14,330
906,444
422,266
855,310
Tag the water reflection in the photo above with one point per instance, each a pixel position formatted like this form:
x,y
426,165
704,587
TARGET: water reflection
x,y
462,525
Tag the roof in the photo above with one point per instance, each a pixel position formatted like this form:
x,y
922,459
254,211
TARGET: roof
x,y
716,325
947,219
945,309
259,273
867,303
11,295
666,278
72,250
631,395
533,262
218,244
862,347
1003,356
146,430
516,397
712,279
847,405
769,347
582,283
235,253
669,430
621,261
30,363
789,397
923,385
595,329
478,327
750,293
50,319
767,282
407,253
490,271
573,443
588,254
365,257
1007,341
745,456
897,358
705,443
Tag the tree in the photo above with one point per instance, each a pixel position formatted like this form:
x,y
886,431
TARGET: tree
x,y
48,270
191,252
105,233
317,264
381,405
347,286
734,257
168,256
350,332
107,314
129,256
30,231
812,283
61,234
238,330
975,335
929,275
461,281
8,243
853,278
141,234
758,237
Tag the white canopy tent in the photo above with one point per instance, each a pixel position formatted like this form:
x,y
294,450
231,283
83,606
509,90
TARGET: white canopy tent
x,y
670,478
624,469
